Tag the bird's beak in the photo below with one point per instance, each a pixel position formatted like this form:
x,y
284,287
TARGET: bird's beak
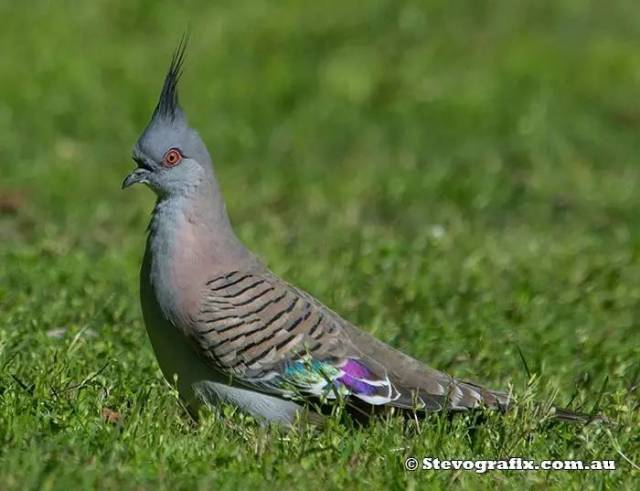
x,y
137,175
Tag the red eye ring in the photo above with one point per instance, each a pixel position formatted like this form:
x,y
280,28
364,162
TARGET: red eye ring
x,y
172,158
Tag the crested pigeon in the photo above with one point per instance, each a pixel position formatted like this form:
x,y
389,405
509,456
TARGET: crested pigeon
x,y
228,330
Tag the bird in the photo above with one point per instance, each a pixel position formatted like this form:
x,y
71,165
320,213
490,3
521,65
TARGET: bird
x,y
225,329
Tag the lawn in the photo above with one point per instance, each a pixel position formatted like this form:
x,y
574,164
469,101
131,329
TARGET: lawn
x,y
458,178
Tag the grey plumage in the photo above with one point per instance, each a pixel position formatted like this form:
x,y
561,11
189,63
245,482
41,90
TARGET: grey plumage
x,y
229,329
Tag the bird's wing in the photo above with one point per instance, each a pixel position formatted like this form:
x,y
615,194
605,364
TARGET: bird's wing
x,y
270,336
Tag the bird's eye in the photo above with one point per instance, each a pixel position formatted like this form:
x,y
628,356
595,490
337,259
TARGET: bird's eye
x,y
172,158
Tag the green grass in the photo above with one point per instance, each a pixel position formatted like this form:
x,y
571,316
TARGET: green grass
x,y
459,178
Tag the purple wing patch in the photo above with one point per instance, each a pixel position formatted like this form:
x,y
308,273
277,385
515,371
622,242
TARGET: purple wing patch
x,y
356,376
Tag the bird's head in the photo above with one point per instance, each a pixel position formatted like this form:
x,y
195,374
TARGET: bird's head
x,y
171,157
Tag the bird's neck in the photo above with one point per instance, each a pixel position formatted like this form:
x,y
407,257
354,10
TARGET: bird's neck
x,y
190,234
190,239
196,225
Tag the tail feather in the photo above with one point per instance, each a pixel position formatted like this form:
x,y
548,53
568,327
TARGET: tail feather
x,y
561,414
475,395
466,395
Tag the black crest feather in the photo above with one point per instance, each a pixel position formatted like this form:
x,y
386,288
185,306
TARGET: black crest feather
x,y
168,106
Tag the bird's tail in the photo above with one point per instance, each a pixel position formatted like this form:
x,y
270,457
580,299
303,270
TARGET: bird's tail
x,y
566,415
503,402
